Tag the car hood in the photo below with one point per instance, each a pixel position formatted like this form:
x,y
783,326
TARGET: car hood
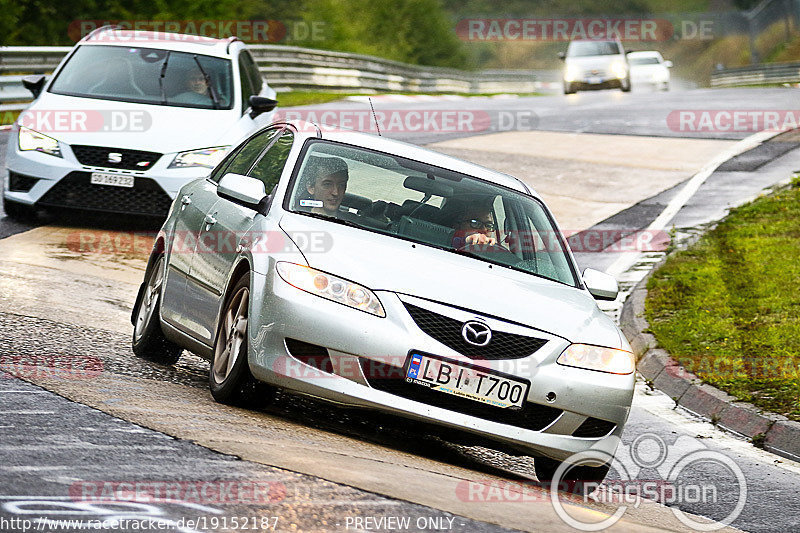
x,y
384,263
594,62
165,128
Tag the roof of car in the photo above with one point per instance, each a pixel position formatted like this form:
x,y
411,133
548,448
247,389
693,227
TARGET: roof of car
x,y
179,42
644,53
410,151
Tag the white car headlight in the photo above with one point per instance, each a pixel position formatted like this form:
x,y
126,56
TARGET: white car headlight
x,y
619,69
598,358
205,157
35,141
572,73
330,287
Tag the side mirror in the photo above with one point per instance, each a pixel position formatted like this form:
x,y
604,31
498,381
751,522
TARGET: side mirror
x,y
244,190
260,104
668,63
601,285
34,84
562,56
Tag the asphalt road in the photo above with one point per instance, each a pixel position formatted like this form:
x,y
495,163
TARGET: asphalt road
x,y
773,483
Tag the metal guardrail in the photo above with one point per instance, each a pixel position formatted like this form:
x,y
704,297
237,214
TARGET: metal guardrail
x,y
757,75
289,68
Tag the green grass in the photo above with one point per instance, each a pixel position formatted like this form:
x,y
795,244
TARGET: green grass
x,y
728,308
8,117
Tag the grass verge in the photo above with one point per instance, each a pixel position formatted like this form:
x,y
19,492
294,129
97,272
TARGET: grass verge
x,y
728,308
295,98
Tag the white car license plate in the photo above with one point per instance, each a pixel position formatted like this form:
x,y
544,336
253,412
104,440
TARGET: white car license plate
x,y
99,178
467,382
595,80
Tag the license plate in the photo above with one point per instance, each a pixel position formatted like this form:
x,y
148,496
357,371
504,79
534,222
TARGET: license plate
x,y
99,178
465,381
595,80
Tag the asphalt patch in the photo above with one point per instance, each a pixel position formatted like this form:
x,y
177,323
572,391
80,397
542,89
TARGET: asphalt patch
x,y
757,157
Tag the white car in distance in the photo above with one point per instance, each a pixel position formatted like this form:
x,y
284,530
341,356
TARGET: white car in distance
x,y
649,68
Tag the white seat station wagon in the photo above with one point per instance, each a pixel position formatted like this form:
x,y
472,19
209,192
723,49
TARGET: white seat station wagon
x,y
128,118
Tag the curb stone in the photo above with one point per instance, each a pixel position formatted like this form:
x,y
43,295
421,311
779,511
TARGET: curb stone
x,y
776,433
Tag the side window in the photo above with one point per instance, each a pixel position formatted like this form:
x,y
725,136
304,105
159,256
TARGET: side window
x,y
241,162
269,168
256,80
220,169
245,83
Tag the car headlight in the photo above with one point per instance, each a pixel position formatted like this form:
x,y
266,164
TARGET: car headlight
x,y
598,358
330,287
35,141
572,73
205,157
619,69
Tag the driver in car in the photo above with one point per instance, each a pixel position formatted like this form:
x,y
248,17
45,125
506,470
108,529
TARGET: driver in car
x,y
474,227
326,184
195,90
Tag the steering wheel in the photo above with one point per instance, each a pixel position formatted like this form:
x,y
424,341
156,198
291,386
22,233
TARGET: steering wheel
x,y
493,250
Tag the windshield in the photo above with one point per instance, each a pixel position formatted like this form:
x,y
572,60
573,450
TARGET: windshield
x,y
593,48
643,60
410,200
147,75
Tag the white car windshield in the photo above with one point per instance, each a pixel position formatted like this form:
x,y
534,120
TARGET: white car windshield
x,y
643,60
593,48
406,199
147,75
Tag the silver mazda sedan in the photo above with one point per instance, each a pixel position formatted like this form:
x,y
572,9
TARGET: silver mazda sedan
x,y
381,275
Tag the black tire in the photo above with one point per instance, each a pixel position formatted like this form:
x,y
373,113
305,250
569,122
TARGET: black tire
x,y
148,339
576,480
232,383
19,211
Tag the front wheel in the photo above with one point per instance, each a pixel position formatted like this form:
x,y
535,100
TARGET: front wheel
x,y
577,479
229,377
148,338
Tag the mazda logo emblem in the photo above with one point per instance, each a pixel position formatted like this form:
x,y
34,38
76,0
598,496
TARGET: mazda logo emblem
x,y
476,333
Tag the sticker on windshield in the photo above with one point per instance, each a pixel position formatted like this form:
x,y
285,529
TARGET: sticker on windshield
x,y
311,203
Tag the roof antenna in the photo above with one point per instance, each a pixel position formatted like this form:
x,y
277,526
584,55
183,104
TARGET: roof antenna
x,y
374,116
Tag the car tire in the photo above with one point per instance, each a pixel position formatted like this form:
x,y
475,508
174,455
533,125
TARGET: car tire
x,y
19,211
149,341
626,85
569,89
229,377
665,86
576,480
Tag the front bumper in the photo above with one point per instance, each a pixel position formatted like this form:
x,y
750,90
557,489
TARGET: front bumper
x,y
352,337
65,182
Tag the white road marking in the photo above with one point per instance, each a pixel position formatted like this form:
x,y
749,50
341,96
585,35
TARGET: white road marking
x,y
659,404
625,261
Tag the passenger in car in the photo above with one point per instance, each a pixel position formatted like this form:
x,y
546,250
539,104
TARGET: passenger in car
x,y
474,226
326,183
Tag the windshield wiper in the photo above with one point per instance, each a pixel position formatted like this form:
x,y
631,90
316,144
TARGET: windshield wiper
x,y
161,80
211,89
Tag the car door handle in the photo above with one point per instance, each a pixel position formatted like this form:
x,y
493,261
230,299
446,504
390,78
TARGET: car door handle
x,y
186,199
210,220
